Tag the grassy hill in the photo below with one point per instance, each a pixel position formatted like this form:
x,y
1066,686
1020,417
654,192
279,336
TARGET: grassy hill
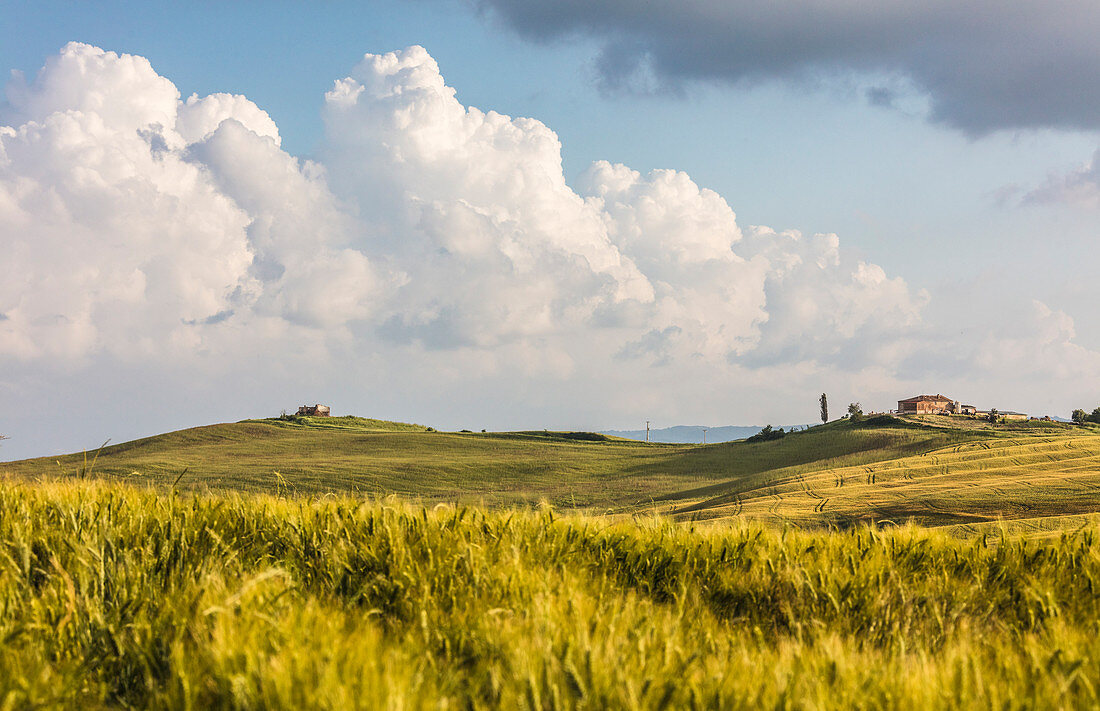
x,y
1022,476
933,470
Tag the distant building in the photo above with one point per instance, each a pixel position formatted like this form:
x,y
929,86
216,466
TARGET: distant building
x,y
940,405
928,405
315,410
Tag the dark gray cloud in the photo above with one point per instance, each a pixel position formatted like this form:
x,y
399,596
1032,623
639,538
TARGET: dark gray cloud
x,y
985,64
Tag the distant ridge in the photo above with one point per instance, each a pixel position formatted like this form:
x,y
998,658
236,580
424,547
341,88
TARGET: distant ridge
x,y
686,434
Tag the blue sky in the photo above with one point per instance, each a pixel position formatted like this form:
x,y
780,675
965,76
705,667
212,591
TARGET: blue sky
x,y
976,203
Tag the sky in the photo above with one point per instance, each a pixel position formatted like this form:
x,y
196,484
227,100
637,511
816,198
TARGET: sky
x,y
505,214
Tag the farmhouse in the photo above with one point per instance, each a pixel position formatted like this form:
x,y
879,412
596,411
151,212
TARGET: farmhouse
x,y
314,410
940,405
928,405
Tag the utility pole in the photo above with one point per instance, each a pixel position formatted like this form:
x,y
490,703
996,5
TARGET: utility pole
x,y
647,430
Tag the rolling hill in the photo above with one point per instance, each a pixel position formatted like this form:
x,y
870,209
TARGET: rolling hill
x,y
935,471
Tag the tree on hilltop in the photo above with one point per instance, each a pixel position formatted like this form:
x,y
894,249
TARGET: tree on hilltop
x,y
824,409
855,411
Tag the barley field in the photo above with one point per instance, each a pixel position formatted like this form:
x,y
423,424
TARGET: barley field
x,y
114,595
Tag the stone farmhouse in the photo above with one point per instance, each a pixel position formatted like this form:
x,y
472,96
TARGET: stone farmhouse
x,y
315,410
934,405
940,405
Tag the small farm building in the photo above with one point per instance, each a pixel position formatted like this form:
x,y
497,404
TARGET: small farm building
x,y
314,410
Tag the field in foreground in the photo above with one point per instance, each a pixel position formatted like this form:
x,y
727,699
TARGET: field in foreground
x,y
942,471
114,596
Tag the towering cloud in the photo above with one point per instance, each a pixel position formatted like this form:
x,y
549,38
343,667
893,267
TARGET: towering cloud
x,y
112,240
497,246
475,206
132,222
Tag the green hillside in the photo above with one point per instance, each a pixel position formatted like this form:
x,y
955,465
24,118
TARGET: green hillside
x,y
1021,476
938,471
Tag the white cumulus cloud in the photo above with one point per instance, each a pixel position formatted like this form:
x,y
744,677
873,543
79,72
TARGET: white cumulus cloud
x,y
132,220
476,208
497,246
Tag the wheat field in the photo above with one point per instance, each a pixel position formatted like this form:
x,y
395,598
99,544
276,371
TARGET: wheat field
x,y
116,596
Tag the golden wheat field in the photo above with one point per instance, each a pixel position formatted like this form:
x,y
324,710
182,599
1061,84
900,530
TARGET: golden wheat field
x,y
112,596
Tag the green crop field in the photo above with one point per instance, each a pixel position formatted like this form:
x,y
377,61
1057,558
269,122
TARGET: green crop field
x,y
351,563
114,596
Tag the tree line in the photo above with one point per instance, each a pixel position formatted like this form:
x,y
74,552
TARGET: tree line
x,y
1081,417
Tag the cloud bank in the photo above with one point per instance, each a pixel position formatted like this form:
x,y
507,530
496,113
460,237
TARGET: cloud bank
x,y
985,65
431,252
141,223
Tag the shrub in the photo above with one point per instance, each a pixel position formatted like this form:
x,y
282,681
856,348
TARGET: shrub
x,y
886,421
585,436
767,434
